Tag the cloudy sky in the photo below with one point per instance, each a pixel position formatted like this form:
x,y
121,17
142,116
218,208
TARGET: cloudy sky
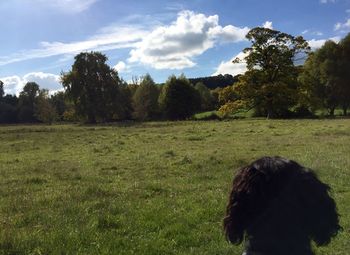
x,y
39,38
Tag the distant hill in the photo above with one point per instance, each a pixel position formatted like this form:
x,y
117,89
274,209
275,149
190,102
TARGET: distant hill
x,y
213,82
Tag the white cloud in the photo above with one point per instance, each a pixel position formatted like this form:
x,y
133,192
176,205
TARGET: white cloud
x,y
106,39
305,31
70,6
316,44
268,24
343,26
12,84
121,67
171,46
232,68
175,46
15,84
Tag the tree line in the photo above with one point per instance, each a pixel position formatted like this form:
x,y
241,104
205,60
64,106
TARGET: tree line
x,y
94,93
273,86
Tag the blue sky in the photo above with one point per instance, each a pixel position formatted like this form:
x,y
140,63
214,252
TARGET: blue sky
x,y
39,38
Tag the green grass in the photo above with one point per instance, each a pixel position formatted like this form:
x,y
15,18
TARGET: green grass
x,y
153,188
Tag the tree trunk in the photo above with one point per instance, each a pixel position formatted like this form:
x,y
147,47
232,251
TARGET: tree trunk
x,y
331,111
345,110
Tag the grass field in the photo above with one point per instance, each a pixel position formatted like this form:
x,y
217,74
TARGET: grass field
x,y
153,188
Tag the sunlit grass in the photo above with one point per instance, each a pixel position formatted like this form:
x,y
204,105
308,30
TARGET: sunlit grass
x,y
154,188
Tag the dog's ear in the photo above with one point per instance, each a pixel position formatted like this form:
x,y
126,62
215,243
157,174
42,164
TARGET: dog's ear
x,y
322,220
247,200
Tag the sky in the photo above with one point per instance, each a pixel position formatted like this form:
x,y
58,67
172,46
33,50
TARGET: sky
x,y
39,38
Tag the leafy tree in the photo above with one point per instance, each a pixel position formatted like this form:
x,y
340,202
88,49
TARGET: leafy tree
x,y
94,88
59,101
178,98
145,99
8,105
207,99
125,101
321,77
227,94
345,74
270,84
218,81
2,92
44,110
27,100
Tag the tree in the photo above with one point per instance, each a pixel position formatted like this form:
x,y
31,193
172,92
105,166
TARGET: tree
x,y
178,98
94,88
321,77
8,105
345,74
206,98
27,101
2,92
44,110
145,99
58,101
270,84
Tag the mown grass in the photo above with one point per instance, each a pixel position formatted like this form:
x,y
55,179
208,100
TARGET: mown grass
x,y
153,188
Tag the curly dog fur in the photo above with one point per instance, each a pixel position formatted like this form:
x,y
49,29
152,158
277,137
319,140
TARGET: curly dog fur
x,y
276,198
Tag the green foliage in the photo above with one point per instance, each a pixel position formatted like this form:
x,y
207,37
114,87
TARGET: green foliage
x,y
94,88
44,110
60,101
218,81
178,98
145,99
8,109
2,92
325,76
270,84
27,101
150,188
344,99
207,99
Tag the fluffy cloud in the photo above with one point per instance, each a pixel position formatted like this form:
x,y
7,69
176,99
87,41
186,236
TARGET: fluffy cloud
x,y
175,46
14,84
316,44
343,26
121,67
232,68
268,24
171,46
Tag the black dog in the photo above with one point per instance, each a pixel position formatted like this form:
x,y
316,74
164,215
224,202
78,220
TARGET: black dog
x,y
278,207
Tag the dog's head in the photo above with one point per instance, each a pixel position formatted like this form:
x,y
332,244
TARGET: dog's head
x,y
275,178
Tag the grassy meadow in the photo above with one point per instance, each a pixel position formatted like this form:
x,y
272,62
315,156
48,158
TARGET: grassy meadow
x,y
152,188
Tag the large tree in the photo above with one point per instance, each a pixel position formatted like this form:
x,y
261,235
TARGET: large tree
x,y
345,74
2,92
44,109
207,99
27,101
270,84
178,98
145,99
322,77
94,88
